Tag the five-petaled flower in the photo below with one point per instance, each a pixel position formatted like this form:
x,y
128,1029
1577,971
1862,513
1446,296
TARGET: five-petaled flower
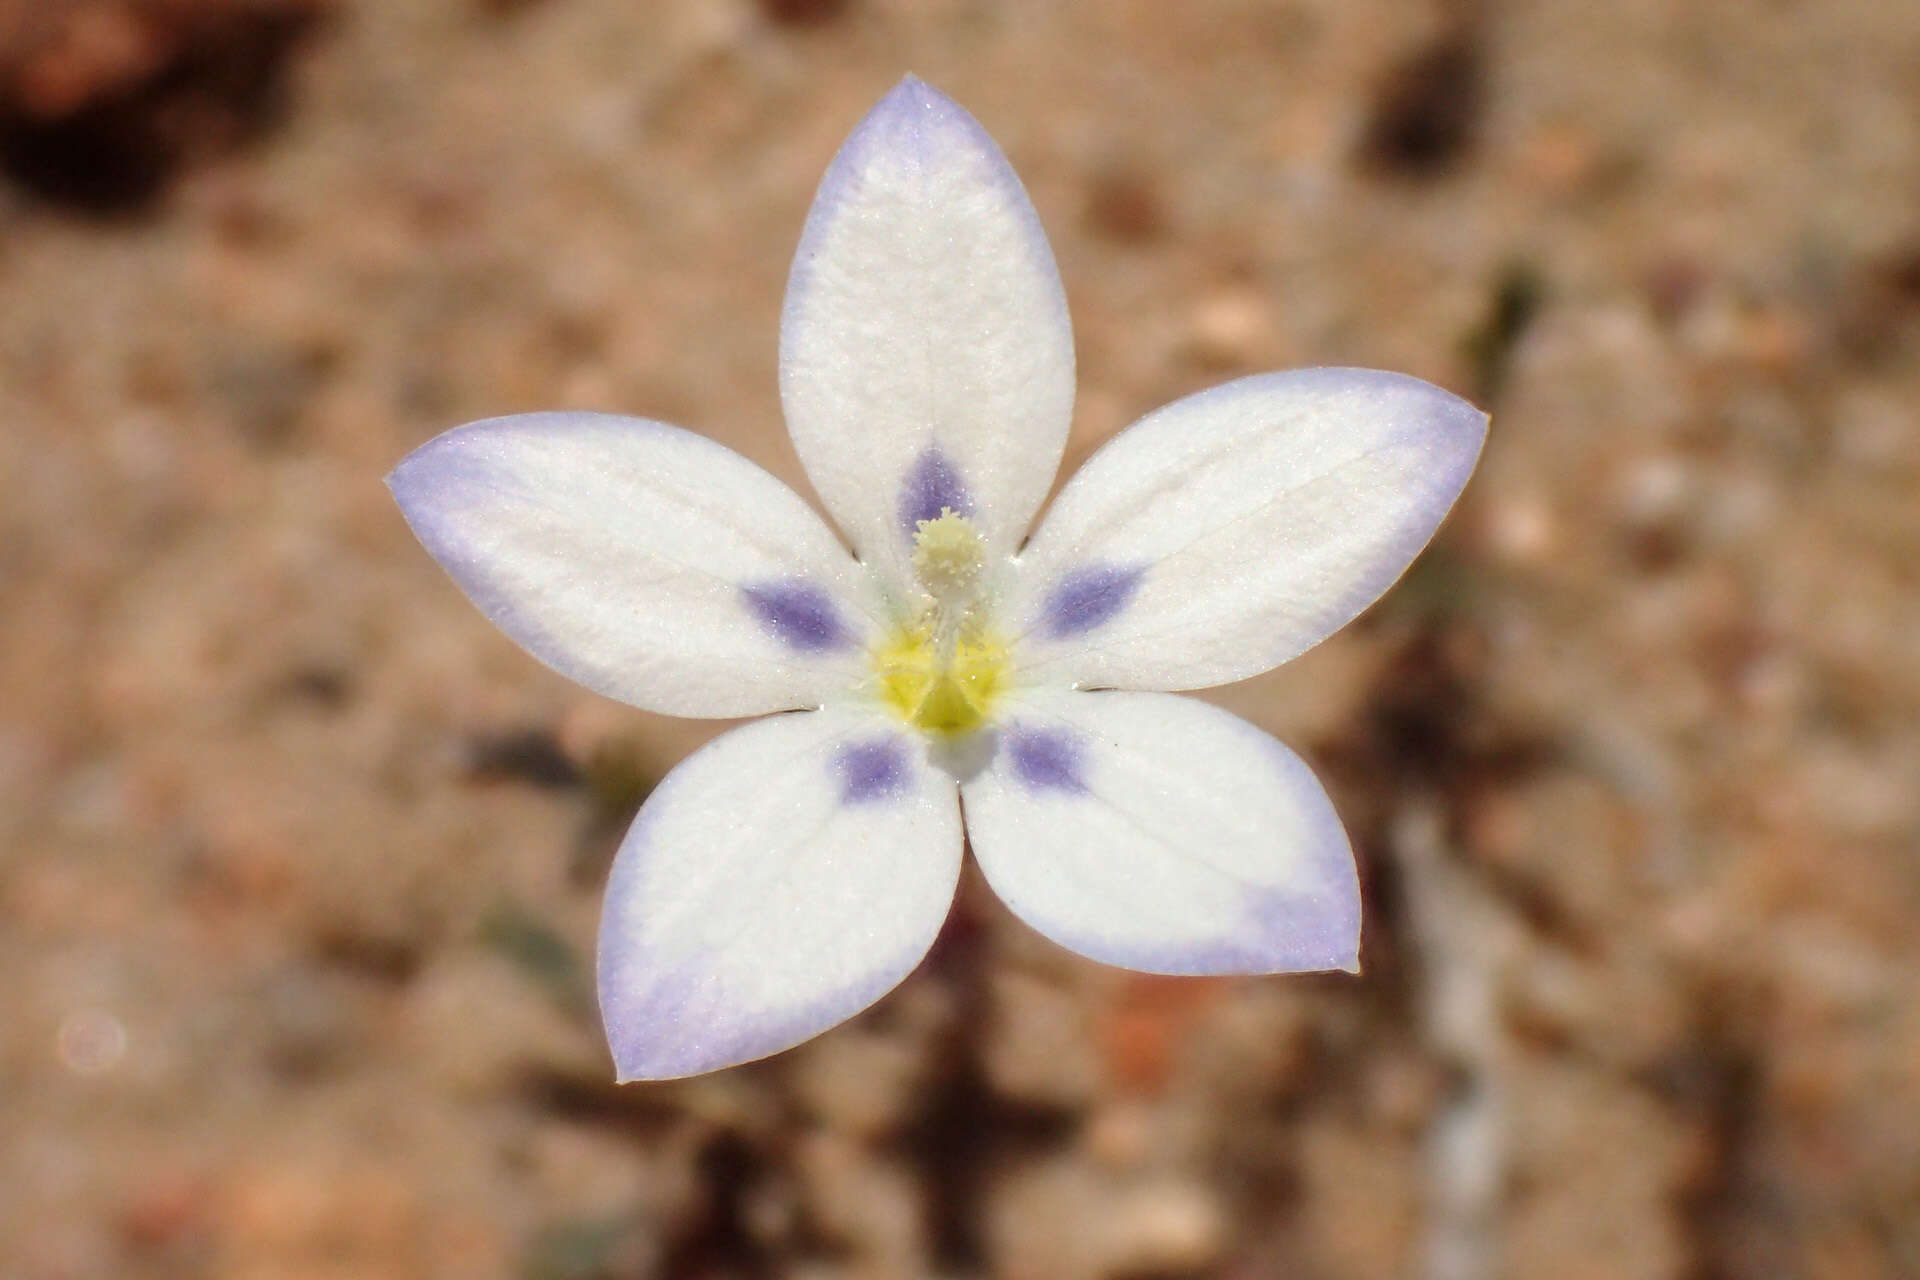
x,y
794,870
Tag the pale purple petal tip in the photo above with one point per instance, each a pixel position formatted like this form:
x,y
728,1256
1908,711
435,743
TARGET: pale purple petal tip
x,y
1047,759
909,113
455,471
801,614
919,125
1451,428
874,770
914,122
1089,597
682,1024
1279,932
1315,925
1308,934
933,486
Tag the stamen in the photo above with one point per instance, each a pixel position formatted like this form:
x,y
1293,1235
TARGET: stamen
x,y
948,561
947,557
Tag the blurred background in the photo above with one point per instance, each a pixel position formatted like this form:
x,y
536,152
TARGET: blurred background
x,y
300,859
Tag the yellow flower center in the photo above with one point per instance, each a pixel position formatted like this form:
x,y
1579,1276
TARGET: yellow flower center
x,y
951,697
943,672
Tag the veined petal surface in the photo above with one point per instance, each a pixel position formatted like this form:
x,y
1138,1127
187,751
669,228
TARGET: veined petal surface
x,y
926,358
1237,528
780,880
647,563
1163,834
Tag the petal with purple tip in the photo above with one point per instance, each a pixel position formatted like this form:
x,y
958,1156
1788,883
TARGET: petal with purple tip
x,y
780,880
1163,834
926,355
1262,516
648,563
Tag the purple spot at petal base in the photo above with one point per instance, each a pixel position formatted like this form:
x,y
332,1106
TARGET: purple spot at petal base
x,y
933,486
801,614
1090,597
1046,759
874,770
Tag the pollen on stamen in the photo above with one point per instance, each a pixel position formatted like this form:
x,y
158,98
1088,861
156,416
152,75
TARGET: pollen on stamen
x,y
948,557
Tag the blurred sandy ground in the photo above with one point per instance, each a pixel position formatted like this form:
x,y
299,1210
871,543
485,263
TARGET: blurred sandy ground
x,y
301,857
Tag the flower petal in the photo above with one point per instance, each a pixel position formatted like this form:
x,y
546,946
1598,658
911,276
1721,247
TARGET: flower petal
x,y
648,563
1163,834
1237,528
926,357
780,880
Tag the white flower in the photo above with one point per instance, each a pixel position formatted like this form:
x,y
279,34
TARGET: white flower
x,y
794,870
